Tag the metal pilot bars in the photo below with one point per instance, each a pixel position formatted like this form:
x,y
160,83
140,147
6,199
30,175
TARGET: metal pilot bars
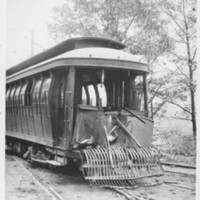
x,y
118,166
127,168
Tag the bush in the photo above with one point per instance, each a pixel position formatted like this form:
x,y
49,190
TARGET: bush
x,y
174,142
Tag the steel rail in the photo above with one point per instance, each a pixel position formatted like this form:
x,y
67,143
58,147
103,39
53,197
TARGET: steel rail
x,y
49,190
130,196
178,165
178,185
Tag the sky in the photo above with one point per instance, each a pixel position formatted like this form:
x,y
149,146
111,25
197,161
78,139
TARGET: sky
x,y
25,18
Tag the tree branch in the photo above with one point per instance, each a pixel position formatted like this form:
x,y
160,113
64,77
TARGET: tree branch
x,y
179,57
179,41
156,92
158,108
176,104
178,67
193,57
174,20
181,118
126,30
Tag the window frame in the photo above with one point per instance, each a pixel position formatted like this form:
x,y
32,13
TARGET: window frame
x,y
17,95
44,100
8,96
23,94
12,94
35,94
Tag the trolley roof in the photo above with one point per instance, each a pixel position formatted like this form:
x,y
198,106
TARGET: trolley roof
x,y
78,52
68,45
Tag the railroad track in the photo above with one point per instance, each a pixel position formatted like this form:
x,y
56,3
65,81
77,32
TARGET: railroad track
x,y
178,168
49,190
131,196
178,165
136,193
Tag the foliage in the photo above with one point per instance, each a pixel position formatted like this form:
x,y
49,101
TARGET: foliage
x,y
180,145
133,22
175,147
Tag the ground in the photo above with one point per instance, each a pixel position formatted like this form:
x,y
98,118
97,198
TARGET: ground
x,y
70,185
19,184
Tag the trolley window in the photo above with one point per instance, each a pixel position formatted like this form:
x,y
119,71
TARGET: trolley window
x,y
116,89
102,94
28,94
16,98
22,94
12,95
138,89
36,91
84,97
92,95
45,90
7,95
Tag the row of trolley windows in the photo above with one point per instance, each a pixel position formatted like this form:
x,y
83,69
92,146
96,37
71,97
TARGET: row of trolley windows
x,y
114,94
30,93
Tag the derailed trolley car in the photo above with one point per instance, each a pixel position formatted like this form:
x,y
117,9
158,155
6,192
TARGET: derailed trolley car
x,y
85,100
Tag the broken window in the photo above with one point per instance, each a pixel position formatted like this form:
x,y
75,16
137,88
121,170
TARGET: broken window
x,y
112,89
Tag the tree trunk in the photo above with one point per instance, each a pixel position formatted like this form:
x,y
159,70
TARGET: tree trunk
x,y
191,86
193,115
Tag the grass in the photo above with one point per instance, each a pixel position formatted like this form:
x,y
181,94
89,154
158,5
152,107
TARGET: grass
x,y
176,146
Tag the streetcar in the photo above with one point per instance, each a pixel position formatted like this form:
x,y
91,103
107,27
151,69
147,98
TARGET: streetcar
x,y
84,100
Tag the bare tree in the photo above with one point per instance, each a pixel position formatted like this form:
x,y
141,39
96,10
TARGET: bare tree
x,y
182,15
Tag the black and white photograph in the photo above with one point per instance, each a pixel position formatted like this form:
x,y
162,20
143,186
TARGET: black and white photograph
x,y
100,100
